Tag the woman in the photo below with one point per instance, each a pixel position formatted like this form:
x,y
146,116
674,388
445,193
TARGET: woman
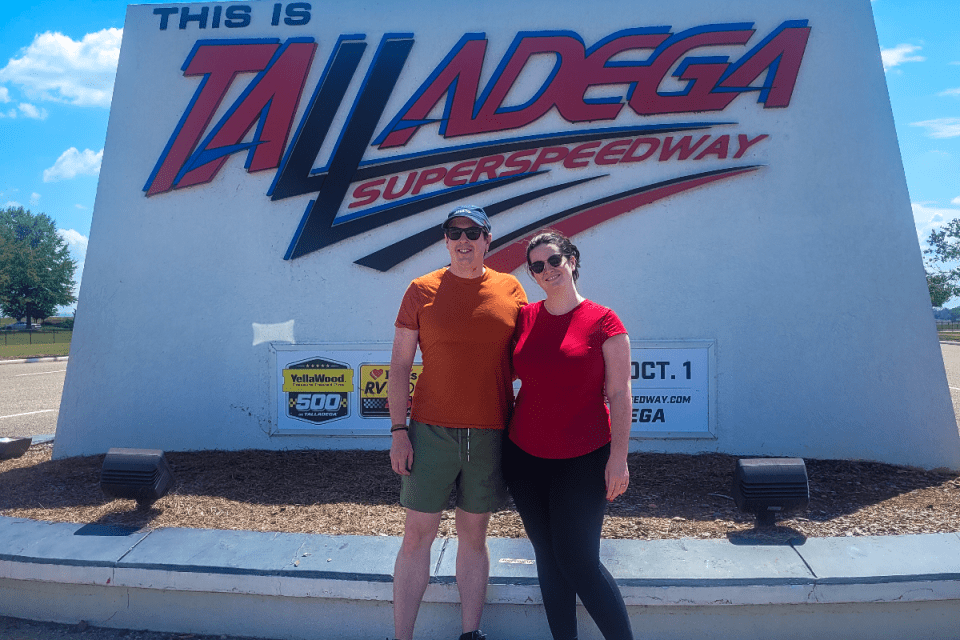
x,y
566,453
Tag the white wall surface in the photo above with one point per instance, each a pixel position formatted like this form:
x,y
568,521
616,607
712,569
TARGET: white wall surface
x,y
805,272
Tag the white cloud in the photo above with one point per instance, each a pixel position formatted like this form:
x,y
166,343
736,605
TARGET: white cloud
x,y
59,69
5,95
950,92
11,203
73,163
25,110
898,55
955,200
77,244
928,216
30,111
76,241
941,127
34,199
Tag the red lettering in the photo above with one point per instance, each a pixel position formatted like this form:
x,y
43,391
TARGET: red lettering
x,y
458,174
272,101
746,143
220,64
518,163
717,148
780,57
652,145
549,155
567,51
428,177
487,166
597,73
461,75
366,193
700,77
683,147
706,83
580,155
610,154
390,194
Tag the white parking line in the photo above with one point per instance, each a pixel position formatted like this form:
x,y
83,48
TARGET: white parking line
x,y
42,373
29,413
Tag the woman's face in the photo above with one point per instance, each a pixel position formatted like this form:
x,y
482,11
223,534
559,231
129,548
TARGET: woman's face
x,y
552,278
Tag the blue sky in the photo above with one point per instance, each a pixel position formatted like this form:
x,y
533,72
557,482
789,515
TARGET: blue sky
x,y
58,60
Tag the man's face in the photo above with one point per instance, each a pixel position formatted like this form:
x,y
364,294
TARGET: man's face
x,y
466,255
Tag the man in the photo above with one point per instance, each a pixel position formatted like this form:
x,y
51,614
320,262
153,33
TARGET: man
x,y
462,317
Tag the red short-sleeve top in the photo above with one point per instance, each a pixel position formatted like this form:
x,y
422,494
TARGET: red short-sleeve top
x,y
560,411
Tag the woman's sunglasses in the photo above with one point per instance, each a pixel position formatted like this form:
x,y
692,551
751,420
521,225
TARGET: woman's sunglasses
x,y
555,261
454,233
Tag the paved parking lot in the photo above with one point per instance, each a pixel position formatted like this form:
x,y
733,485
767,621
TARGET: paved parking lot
x,y
30,398
951,362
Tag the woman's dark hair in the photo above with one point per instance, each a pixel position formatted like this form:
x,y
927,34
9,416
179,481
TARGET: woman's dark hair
x,y
567,248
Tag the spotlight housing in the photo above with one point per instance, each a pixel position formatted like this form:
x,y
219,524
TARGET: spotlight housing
x,y
768,486
13,447
136,474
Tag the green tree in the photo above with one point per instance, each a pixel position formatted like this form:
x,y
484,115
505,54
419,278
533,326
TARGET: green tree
x,y
36,270
943,251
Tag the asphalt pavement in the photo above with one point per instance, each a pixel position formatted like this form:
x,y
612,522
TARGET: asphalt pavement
x,y
951,362
30,397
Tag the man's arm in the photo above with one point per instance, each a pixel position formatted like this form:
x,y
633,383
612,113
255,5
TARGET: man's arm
x,y
398,394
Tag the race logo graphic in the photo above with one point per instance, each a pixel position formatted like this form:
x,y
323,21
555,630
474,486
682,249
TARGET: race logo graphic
x,y
606,92
318,390
374,380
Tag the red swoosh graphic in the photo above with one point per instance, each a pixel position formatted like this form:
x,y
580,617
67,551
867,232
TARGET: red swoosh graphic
x,y
514,255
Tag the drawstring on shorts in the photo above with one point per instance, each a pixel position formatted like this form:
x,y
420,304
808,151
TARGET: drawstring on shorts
x,y
460,443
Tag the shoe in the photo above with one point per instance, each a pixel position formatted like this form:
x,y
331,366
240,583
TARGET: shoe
x,y
473,635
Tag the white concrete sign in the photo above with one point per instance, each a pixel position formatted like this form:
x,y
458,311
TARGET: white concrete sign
x,y
275,174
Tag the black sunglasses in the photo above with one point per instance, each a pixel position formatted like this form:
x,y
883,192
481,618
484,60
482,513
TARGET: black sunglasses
x,y
453,233
555,261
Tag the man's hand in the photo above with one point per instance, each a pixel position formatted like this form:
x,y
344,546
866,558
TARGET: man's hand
x,y
401,453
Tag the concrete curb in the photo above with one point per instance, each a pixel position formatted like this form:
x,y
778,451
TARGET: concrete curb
x,y
340,587
41,359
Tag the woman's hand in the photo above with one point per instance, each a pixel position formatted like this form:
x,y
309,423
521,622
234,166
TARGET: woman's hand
x,y
616,362
617,476
401,453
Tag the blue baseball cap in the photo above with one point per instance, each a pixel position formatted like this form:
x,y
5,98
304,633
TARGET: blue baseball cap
x,y
476,214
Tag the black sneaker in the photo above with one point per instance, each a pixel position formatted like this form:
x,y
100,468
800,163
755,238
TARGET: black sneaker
x,y
473,635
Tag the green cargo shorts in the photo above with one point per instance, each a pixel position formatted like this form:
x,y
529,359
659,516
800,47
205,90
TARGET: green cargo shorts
x,y
444,458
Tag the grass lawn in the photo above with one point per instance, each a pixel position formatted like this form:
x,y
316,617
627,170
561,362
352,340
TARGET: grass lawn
x,y
34,350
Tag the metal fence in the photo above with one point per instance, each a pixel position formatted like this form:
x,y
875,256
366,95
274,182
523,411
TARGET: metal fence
x,y
41,336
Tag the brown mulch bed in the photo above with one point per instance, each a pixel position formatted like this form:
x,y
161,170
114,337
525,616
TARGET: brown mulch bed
x,y
356,493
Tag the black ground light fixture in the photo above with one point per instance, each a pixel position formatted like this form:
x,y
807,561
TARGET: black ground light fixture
x,y
768,486
136,474
13,447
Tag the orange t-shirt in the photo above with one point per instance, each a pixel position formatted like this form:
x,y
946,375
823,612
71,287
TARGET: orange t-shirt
x,y
465,330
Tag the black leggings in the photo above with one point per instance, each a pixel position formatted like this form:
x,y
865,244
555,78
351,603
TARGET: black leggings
x,y
562,503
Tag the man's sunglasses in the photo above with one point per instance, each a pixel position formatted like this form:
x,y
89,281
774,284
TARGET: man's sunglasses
x,y
454,233
555,261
